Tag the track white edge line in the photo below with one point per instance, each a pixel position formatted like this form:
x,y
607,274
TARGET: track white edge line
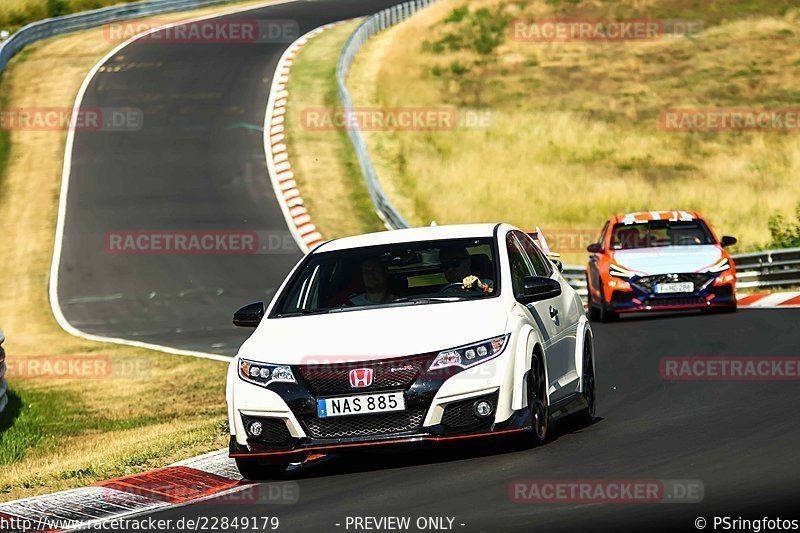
x,y
55,305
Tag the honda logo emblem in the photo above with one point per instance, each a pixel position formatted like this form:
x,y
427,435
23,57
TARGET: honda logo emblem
x,y
361,377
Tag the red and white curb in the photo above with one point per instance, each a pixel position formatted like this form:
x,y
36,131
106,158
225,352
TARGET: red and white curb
x,y
280,168
770,301
193,480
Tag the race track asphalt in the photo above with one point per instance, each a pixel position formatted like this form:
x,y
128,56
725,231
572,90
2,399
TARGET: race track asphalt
x,y
196,165
739,439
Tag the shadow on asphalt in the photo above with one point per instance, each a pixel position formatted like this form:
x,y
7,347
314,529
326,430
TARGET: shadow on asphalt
x,y
367,461
662,315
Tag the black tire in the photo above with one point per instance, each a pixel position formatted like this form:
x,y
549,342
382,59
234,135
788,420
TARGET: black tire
x,y
538,403
252,470
720,310
607,315
598,312
585,416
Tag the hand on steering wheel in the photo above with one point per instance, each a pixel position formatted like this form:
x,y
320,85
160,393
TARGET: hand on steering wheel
x,y
468,283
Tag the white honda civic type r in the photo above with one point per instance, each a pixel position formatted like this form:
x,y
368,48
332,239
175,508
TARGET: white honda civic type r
x,y
409,337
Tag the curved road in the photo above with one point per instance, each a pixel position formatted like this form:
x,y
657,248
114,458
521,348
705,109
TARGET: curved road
x,y
198,163
739,439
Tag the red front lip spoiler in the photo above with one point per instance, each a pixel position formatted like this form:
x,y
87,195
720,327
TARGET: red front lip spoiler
x,y
406,440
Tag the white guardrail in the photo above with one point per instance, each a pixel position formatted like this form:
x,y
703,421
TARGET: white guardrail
x,y
42,29
3,384
371,25
771,269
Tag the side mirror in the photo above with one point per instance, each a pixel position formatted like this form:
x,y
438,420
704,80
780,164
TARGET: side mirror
x,y
537,288
595,248
727,240
249,316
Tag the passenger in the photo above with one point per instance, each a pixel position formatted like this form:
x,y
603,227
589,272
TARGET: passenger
x,y
375,276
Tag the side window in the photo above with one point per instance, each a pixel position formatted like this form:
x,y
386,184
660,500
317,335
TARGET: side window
x,y
518,263
540,263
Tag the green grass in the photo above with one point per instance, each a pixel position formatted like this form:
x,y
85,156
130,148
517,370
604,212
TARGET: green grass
x,y
324,163
17,13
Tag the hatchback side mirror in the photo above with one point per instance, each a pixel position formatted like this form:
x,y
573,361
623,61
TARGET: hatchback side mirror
x,y
249,316
595,248
727,240
537,288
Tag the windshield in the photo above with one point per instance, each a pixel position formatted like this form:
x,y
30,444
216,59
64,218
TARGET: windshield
x,y
661,233
390,275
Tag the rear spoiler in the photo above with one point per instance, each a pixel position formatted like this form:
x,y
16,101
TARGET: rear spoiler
x,y
538,236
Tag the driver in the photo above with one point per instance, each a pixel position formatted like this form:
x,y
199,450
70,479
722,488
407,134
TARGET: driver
x,y
457,267
375,276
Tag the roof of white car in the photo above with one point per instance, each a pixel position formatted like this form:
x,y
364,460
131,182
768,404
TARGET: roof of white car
x,y
428,233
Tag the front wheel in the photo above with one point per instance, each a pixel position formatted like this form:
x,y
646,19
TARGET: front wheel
x,y
538,403
252,470
607,315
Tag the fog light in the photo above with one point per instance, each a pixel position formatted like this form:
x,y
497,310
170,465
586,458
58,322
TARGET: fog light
x,y
482,408
255,429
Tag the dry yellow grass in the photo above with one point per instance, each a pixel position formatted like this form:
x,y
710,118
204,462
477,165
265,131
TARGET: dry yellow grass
x,y
57,433
325,167
576,131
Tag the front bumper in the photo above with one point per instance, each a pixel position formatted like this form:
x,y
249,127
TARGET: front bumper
x,y
438,409
303,448
641,297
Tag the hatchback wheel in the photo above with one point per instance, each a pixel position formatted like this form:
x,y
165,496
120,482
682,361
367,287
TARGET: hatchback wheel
x,y
538,403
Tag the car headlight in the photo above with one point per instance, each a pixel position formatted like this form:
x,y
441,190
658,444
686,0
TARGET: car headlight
x,y
721,266
263,374
472,354
620,272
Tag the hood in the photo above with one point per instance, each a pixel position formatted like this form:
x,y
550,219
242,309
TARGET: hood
x,y
668,259
370,334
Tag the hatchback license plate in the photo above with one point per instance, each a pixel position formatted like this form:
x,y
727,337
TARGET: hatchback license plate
x,y
672,288
364,404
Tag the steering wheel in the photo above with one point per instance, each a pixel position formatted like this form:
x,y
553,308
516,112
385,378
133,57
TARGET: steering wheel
x,y
451,286
458,284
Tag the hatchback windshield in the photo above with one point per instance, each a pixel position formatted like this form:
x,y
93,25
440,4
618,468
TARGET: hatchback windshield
x,y
396,274
661,233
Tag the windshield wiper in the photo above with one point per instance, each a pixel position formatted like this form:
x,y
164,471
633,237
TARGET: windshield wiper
x,y
304,312
428,299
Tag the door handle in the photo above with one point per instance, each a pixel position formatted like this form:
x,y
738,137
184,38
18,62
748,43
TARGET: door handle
x,y
553,313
